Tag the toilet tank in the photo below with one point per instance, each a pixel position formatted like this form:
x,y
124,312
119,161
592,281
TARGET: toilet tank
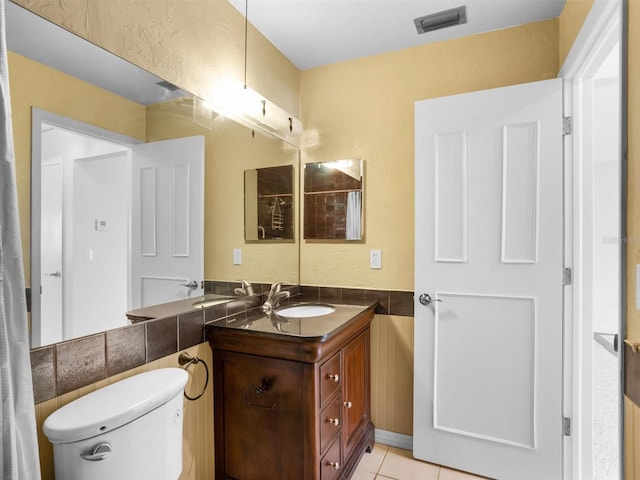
x,y
129,430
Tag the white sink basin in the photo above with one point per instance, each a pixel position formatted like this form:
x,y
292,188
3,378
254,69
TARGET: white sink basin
x,y
306,310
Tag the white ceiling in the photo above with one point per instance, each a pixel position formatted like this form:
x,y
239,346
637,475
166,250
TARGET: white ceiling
x,y
312,33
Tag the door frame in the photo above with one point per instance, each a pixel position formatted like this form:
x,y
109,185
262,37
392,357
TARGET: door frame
x,y
39,117
601,18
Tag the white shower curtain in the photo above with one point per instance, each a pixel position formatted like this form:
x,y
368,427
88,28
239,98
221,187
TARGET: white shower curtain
x,y
354,216
19,450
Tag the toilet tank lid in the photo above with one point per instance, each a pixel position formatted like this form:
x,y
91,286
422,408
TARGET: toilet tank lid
x,y
114,405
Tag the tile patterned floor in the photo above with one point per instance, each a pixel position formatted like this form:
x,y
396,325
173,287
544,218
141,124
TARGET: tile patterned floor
x,y
390,463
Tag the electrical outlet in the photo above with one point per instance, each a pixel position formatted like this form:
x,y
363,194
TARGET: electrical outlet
x,y
237,256
375,259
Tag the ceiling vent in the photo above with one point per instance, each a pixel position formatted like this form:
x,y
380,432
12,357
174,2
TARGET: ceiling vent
x,y
446,18
167,86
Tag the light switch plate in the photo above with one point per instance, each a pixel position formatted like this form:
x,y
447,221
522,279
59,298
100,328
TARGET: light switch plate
x,y
237,256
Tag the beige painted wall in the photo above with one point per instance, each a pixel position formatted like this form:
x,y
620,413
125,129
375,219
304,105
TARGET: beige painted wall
x,y
230,149
571,20
35,85
364,109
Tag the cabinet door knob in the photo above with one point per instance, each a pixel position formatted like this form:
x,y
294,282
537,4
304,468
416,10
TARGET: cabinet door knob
x,y
334,465
334,421
348,404
334,376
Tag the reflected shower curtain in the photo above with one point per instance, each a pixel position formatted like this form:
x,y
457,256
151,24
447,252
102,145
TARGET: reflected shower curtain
x,y
354,216
19,448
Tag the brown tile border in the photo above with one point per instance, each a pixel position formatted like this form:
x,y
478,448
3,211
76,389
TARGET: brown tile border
x,y
66,366
43,371
190,329
126,348
80,362
390,302
162,338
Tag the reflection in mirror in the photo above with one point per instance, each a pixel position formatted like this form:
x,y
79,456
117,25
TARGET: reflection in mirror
x,y
269,203
333,199
228,149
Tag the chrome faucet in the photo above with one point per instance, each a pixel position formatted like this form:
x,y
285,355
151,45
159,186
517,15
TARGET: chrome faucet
x,y
274,297
246,289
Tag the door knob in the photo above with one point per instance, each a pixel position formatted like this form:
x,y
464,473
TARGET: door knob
x,y
53,274
425,299
191,284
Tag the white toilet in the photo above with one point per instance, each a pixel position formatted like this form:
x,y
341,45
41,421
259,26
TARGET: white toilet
x,y
130,430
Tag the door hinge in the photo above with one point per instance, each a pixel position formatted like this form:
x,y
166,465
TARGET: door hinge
x,y
566,426
566,276
567,125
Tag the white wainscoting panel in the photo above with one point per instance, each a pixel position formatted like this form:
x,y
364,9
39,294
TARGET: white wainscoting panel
x,y
148,211
180,214
156,290
520,192
477,390
451,197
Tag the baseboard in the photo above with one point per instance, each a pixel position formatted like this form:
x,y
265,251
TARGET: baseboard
x,y
393,439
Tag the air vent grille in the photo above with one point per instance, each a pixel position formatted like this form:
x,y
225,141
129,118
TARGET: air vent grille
x,y
443,19
167,86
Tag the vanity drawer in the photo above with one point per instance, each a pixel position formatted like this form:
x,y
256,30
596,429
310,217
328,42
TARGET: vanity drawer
x,y
330,378
330,421
331,463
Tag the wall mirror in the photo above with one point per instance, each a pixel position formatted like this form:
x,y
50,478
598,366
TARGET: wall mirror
x,y
80,92
333,200
269,203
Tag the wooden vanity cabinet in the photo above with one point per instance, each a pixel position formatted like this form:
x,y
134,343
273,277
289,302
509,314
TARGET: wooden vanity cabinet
x,y
306,416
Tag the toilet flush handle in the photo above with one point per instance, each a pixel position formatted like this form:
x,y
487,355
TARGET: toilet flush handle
x,y
99,452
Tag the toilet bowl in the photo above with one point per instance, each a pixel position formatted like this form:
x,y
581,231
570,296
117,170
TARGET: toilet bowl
x,y
129,430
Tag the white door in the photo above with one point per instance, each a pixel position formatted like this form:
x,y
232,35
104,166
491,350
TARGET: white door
x,y
50,323
488,349
167,220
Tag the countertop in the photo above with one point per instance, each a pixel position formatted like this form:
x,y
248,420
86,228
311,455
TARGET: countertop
x,y
313,328
179,307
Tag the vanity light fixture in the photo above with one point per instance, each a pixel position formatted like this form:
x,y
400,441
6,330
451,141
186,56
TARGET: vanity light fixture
x,y
338,164
443,19
245,104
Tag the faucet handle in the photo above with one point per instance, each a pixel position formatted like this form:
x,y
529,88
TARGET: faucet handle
x,y
245,289
275,288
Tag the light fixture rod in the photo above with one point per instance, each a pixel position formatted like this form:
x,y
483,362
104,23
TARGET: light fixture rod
x,y
246,28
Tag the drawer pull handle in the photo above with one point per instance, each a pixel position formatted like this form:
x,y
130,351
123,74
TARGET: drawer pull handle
x,y
334,421
348,404
334,465
334,376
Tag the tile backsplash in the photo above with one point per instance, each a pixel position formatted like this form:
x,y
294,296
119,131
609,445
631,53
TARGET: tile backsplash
x,y
67,366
